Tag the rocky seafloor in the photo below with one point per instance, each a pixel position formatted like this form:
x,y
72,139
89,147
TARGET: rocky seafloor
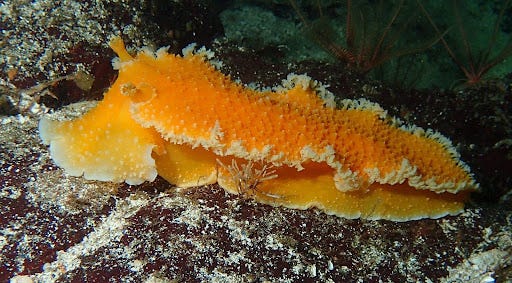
x,y
57,228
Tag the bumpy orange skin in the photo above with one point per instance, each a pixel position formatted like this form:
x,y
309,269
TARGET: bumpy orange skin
x,y
351,160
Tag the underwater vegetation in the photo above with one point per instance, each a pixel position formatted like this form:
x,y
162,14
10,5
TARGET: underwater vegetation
x,y
396,41
62,228
371,37
474,58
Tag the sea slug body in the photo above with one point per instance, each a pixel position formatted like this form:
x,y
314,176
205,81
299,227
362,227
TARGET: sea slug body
x,y
179,117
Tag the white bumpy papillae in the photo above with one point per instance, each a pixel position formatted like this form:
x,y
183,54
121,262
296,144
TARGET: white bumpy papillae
x,y
97,166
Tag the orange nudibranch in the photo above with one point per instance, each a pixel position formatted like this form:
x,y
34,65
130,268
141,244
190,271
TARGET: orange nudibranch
x,y
292,145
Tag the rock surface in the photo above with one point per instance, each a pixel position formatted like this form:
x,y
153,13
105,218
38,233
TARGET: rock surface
x,y
56,228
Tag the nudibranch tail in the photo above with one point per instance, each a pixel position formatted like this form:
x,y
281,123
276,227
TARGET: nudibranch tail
x,y
181,117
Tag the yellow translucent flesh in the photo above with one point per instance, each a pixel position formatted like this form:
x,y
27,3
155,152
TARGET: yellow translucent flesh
x,y
311,187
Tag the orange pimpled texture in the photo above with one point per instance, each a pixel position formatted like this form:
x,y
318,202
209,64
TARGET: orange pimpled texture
x,y
183,118
188,101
